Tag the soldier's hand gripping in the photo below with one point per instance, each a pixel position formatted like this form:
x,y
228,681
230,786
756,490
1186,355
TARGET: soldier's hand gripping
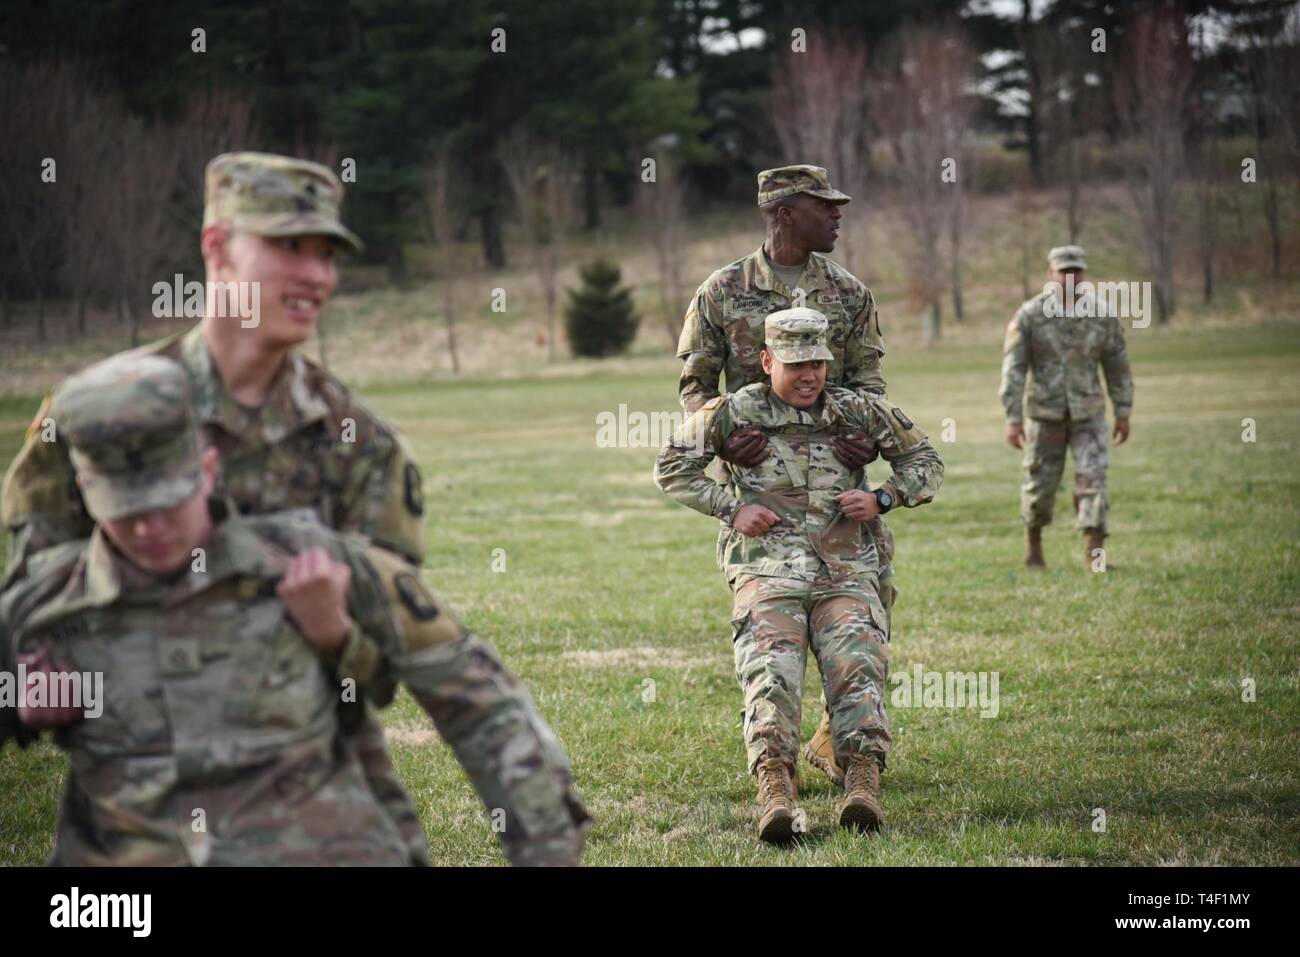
x,y
754,520
854,449
1016,435
314,591
1121,430
857,505
747,447
46,716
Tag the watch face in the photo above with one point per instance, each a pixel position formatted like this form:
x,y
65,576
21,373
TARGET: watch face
x,y
886,500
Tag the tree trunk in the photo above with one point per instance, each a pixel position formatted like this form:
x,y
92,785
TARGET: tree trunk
x,y
494,252
396,262
590,199
932,322
449,311
1032,89
40,312
1274,226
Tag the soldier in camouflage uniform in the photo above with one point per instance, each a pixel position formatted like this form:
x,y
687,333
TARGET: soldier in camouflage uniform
x,y
221,640
1065,404
801,570
723,336
289,433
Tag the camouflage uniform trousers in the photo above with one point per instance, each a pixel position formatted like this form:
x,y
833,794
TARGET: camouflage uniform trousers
x,y
773,622
1045,443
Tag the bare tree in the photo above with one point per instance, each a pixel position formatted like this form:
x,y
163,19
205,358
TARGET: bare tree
x,y
1151,93
1068,110
819,114
1274,70
661,211
215,121
146,160
920,102
34,99
1026,217
440,214
87,205
544,181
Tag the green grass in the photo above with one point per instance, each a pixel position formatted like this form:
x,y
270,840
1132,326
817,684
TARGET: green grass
x,y
1119,691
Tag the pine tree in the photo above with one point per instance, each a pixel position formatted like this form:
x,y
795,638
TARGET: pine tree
x,y
600,318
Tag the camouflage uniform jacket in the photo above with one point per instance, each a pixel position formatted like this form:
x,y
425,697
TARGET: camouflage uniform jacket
x,y
214,702
723,331
1062,353
311,444
798,479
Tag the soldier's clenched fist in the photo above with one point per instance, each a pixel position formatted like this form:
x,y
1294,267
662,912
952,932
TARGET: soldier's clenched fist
x,y
857,505
314,592
44,716
747,447
754,520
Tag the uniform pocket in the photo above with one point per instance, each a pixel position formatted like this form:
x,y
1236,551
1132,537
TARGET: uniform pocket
x,y
279,680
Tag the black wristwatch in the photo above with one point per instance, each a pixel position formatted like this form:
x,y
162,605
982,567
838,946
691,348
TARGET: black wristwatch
x,y
884,498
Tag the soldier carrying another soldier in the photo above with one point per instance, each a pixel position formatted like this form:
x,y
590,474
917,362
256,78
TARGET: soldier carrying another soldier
x,y
801,570
222,640
723,337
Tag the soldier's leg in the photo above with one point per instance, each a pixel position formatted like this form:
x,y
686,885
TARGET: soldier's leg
x,y
820,749
372,752
1090,446
770,627
848,637
1045,444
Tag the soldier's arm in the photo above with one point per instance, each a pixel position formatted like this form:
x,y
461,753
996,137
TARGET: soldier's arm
x,y
679,469
1119,376
863,351
512,757
384,497
917,470
15,605
40,503
1015,369
703,349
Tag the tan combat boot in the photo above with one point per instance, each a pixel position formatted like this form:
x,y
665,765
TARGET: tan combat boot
x,y
1093,538
1034,548
861,807
775,802
820,752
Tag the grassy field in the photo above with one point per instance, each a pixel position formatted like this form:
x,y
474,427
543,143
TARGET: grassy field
x,y
1120,691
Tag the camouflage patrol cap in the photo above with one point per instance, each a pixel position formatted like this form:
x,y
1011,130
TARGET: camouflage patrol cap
x,y
774,184
798,335
274,195
1062,258
133,438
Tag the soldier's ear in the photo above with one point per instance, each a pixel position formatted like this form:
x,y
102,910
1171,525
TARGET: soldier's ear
x,y
767,361
212,245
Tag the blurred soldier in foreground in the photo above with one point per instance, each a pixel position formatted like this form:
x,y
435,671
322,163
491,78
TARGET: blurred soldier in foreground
x,y
1061,346
289,433
794,554
220,641
723,335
